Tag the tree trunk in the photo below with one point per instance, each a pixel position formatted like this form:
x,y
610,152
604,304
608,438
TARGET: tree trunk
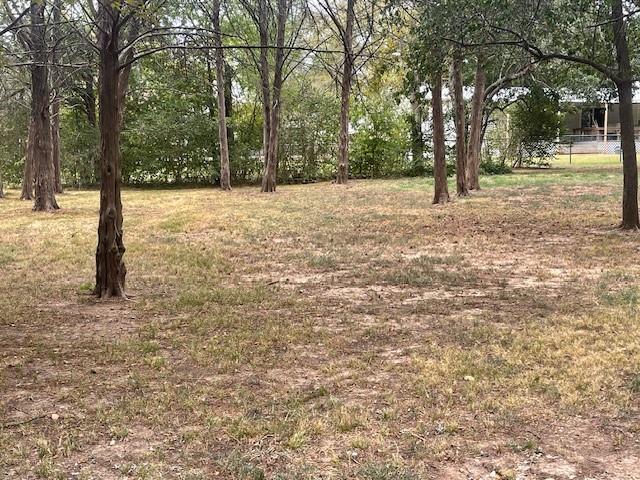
x,y
475,132
42,146
55,106
269,177
459,116
225,173
441,194
263,27
347,75
27,177
1,186
630,220
110,268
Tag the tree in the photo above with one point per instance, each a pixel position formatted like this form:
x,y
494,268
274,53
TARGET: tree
x,y
353,30
110,268
225,174
585,33
41,120
273,110
117,54
535,126
347,76
38,179
222,97
475,130
459,29
344,32
624,83
116,58
261,15
459,117
494,73
441,191
380,141
429,55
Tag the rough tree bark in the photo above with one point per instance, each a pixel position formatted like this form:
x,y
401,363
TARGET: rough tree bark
x,y
55,105
475,130
630,220
42,147
225,172
459,116
269,177
27,176
110,268
347,76
441,193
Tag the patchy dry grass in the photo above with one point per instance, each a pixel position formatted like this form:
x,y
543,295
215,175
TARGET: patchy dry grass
x,y
327,332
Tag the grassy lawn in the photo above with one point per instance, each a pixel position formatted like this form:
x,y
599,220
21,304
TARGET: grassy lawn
x,y
582,161
328,332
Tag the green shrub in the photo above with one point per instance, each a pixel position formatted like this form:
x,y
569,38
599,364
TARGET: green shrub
x,y
489,166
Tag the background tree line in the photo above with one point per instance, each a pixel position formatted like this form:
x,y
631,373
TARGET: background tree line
x,y
270,91
170,129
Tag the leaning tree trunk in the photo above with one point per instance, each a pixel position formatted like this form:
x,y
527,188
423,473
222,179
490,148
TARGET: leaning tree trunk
x,y
630,220
441,193
475,131
347,75
459,117
110,268
44,192
269,177
27,177
225,172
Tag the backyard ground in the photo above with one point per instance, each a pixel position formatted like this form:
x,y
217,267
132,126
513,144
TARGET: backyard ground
x,y
328,332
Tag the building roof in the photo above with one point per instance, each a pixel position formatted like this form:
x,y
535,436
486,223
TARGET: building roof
x,y
603,97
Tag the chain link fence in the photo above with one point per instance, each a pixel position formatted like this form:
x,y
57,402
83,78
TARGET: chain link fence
x,y
591,144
